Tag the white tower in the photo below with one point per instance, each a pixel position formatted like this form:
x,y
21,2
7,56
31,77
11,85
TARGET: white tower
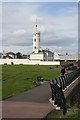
x,y
36,41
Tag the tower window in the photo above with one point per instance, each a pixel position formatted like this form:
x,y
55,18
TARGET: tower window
x,y
35,47
34,40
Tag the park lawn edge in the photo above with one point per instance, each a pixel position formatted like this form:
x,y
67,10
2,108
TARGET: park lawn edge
x,y
17,70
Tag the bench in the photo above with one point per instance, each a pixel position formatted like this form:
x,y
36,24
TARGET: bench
x,y
40,79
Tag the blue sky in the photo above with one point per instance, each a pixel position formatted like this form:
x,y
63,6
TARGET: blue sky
x,y
57,22
54,9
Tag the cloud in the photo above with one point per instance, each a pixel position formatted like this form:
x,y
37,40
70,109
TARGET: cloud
x,y
58,31
44,30
22,49
58,41
19,33
18,13
35,19
65,26
17,40
40,0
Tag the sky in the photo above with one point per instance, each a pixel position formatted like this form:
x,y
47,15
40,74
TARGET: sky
x,y
40,0
57,23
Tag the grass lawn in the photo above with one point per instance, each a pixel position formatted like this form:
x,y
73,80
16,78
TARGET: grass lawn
x,y
18,78
56,115
74,115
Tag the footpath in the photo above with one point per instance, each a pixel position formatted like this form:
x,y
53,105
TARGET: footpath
x,y
31,104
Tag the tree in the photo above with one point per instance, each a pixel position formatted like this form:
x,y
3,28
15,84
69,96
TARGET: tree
x,y
19,55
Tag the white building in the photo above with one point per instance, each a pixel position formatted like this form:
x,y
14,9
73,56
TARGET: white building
x,y
38,53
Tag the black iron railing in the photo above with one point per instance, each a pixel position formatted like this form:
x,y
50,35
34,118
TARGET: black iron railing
x,y
59,84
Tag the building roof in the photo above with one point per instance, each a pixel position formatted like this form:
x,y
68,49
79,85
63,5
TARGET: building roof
x,y
11,53
56,56
47,51
70,57
43,51
75,56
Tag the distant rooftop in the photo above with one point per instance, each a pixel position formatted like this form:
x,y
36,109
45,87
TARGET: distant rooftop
x,y
70,57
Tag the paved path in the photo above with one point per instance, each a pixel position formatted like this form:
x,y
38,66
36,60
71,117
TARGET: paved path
x,y
40,94
59,68
31,104
0,110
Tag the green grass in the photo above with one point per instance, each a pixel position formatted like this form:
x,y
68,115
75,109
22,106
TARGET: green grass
x,y
73,115
58,115
18,78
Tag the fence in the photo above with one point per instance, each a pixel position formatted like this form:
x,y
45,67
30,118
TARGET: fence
x,y
67,65
58,86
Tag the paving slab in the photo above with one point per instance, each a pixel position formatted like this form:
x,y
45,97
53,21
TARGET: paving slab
x,y
0,110
12,109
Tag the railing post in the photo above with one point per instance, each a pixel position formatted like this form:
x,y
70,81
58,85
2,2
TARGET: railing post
x,y
62,77
60,82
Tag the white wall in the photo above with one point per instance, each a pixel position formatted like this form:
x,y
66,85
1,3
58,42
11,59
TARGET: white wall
x,y
28,62
36,56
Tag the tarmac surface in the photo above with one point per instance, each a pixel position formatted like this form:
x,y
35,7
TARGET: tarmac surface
x,y
59,68
31,104
40,94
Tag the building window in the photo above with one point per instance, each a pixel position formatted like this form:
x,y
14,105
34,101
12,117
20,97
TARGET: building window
x,y
34,40
35,47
